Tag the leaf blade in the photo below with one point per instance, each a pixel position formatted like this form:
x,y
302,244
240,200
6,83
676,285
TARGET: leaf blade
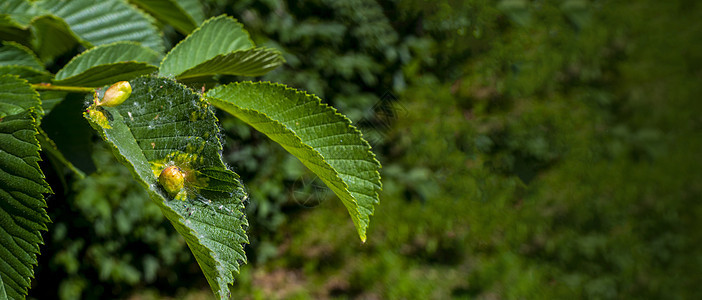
x,y
22,214
216,36
315,133
194,9
30,74
108,21
12,53
51,37
20,12
170,12
249,62
107,64
164,123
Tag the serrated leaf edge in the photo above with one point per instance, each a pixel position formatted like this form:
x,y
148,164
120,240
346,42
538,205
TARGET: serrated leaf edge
x,y
35,112
152,23
28,51
280,58
96,48
349,125
223,16
221,274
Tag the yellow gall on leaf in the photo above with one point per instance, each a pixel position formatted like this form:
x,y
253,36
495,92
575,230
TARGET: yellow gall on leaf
x,y
172,180
98,116
116,94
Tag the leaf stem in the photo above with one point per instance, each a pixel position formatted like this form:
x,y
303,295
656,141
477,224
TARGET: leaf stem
x,y
50,87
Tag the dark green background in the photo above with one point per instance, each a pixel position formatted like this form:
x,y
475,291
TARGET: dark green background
x,y
530,149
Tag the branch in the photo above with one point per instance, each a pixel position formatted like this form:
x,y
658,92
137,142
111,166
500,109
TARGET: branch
x,y
50,87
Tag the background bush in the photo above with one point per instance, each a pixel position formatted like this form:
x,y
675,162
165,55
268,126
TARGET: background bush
x,y
530,149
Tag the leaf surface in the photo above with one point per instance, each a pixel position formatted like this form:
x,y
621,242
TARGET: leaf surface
x,y
10,31
3,294
30,74
15,18
22,214
18,60
164,124
249,62
194,9
20,12
51,37
15,54
219,46
170,12
107,64
106,21
324,140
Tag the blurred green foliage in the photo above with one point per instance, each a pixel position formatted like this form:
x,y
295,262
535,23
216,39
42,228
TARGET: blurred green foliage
x,y
537,149
531,149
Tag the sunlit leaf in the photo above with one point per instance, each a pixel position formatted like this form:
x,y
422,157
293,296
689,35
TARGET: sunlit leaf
x,y
219,46
165,124
106,21
324,140
108,64
20,12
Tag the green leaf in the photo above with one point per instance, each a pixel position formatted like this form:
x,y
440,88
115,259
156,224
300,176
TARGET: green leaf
x,y
219,46
15,18
30,74
324,140
20,12
7,22
15,54
10,31
169,12
194,9
22,214
17,96
3,294
108,64
51,37
251,62
164,124
107,21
